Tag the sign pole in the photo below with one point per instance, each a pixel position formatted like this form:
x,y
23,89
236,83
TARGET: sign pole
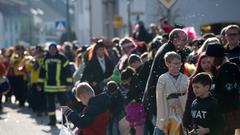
x,y
169,15
129,17
168,4
68,20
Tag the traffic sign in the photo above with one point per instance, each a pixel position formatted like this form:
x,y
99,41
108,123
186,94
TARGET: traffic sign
x,y
167,3
60,25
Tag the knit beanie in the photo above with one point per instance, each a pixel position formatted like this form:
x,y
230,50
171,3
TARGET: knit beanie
x,y
215,50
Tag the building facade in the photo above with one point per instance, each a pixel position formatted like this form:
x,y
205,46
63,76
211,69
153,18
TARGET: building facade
x,y
198,14
95,17
10,22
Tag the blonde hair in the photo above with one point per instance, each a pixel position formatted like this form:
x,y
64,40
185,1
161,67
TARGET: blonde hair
x,y
169,56
84,88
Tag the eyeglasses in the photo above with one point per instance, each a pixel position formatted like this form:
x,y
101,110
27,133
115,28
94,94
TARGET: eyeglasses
x,y
232,34
177,63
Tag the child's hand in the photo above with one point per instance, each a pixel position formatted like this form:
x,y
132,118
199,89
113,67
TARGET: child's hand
x,y
174,103
133,101
193,132
202,130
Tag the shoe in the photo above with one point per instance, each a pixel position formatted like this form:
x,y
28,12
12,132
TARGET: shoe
x,y
1,109
21,105
39,114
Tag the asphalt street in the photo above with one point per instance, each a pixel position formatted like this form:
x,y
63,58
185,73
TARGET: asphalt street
x,y
22,121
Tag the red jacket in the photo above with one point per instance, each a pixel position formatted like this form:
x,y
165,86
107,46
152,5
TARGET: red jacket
x,y
99,126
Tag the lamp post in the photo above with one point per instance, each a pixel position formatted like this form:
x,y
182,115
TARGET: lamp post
x,y
90,19
169,15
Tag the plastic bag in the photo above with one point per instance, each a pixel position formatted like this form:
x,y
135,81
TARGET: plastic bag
x,y
124,126
66,130
174,124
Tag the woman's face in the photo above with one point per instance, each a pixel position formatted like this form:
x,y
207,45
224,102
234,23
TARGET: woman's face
x,y
100,52
128,47
206,64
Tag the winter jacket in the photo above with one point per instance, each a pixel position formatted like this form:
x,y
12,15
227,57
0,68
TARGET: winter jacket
x,y
55,73
227,87
94,73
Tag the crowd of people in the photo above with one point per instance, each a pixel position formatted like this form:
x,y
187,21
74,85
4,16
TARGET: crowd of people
x,y
158,82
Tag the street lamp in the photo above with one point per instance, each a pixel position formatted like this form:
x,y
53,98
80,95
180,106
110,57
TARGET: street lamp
x,y
69,11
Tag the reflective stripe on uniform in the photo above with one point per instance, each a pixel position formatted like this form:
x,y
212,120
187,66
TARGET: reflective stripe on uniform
x,y
46,68
40,80
51,113
55,88
58,71
65,64
69,80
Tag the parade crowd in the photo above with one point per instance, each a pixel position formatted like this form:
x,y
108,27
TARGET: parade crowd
x,y
153,82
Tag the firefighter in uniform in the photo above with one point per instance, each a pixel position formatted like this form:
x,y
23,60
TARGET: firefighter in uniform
x,y
55,75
